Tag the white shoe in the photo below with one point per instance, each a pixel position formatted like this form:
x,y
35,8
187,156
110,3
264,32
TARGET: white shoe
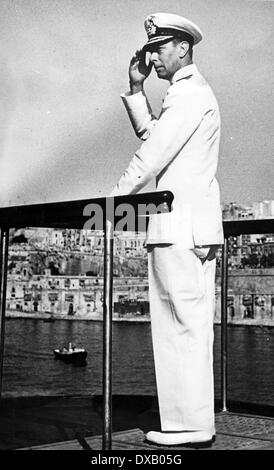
x,y
197,438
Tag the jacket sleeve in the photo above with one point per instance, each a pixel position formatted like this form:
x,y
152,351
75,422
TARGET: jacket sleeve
x,y
140,114
178,121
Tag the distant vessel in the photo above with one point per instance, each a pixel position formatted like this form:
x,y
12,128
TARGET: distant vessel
x,y
71,354
49,320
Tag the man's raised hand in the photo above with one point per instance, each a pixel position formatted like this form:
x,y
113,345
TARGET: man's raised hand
x,y
138,71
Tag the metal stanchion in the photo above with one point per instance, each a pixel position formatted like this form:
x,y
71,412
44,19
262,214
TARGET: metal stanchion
x,y
4,247
1,259
107,335
224,325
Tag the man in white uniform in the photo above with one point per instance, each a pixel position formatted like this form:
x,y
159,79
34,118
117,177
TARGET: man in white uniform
x,y
180,150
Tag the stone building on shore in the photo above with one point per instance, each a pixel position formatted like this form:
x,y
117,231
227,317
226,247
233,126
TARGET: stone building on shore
x,y
61,272
250,296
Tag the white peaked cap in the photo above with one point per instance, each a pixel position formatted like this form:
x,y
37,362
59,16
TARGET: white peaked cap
x,y
163,26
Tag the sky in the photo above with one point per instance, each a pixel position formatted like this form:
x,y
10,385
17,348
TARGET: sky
x,y
64,132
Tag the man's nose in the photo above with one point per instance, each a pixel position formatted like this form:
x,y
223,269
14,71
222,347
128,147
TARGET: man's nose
x,y
153,56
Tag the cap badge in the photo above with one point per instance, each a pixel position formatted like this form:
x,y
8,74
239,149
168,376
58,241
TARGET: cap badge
x,y
150,27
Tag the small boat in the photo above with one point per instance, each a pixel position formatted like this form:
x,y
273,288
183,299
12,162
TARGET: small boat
x,y
49,320
71,354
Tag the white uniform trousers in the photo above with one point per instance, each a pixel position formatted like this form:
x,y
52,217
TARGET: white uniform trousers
x,y
182,304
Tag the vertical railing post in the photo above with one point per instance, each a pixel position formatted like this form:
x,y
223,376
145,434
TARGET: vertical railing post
x,y
224,325
4,247
107,335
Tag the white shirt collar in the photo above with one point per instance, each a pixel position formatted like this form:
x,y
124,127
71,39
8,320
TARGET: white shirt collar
x,y
184,72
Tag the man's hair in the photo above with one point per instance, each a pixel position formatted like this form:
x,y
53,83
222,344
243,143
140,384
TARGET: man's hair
x,y
185,37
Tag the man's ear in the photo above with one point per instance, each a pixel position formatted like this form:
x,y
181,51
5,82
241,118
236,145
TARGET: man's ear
x,y
183,49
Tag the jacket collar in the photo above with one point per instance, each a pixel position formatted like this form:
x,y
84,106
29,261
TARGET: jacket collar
x,y
184,72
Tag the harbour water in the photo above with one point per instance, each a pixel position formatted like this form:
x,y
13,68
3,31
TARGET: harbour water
x,y
30,368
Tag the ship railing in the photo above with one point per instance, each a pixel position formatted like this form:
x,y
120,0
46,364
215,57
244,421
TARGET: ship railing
x,y
77,214
234,228
121,213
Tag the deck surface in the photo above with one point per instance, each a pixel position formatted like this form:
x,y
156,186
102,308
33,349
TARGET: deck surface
x,y
235,431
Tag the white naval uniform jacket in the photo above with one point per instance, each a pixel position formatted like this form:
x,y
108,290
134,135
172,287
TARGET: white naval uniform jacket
x,y
180,150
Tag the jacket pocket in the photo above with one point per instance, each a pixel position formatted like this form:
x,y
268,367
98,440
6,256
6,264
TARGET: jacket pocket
x,y
171,227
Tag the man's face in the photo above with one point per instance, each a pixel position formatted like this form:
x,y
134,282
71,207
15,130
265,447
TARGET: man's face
x,y
165,59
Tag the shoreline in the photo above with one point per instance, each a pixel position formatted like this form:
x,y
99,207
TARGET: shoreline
x,y
130,318
61,316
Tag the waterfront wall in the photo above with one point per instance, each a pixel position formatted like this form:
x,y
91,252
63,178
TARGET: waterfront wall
x,y
68,295
250,296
